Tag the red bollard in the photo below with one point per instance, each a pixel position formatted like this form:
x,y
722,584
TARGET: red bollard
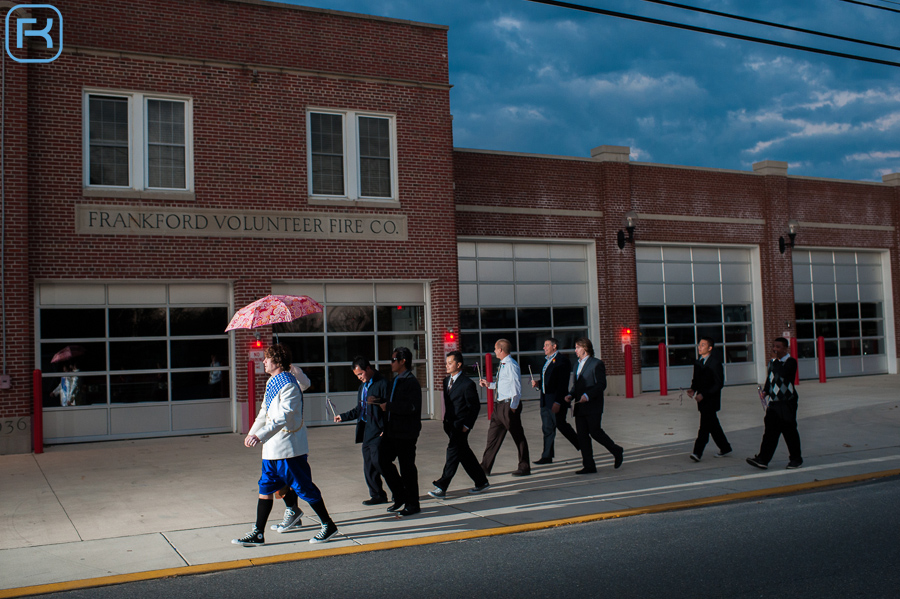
x,y
793,343
251,394
489,377
37,420
663,373
820,352
629,373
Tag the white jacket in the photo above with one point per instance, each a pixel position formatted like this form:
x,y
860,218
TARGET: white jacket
x,y
281,427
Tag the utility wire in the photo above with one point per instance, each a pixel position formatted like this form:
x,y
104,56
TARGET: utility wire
x,y
879,7
771,24
737,36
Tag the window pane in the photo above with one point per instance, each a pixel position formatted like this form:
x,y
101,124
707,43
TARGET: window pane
x,y
468,318
709,313
682,356
740,334
401,318
653,335
536,363
375,177
825,311
569,317
872,347
374,157
871,328
78,391
498,318
849,328
488,340
850,347
680,314
652,314
681,336
803,311
306,350
73,323
713,332
738,353
341,379
135,388
202,352
84,356
805,330
738,313
198,321
199,385
567,338
532,340
344,349
308,324
826,328
469,343
345,319
806,349
137,322
534,317
848,311
870,310
316,375
108,140
166,153
137,355
831,349
387,343
649,358
327,148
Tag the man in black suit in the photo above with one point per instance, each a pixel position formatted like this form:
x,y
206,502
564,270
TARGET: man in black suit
x,y
706,389
402,423
587,395
554,387
369,425
461,406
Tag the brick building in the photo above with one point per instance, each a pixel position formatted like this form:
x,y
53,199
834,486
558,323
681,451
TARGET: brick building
x,y
182,158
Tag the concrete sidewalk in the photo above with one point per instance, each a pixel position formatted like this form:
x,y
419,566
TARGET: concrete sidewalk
x,y
95,510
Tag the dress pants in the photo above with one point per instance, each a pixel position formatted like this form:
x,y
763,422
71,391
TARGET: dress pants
x,y
780,420
589,425
371,469
709,425
502,421
405,484
459,452
550,423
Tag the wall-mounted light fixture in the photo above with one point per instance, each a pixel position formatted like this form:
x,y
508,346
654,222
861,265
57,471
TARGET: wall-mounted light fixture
x,y
629,222
793,227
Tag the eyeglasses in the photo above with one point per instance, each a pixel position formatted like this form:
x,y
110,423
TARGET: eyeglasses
x,y
396,359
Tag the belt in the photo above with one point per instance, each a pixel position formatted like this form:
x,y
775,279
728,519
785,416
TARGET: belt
x,y
507,399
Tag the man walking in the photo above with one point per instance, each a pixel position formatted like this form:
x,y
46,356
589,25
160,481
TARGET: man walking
x,y
507,415
369,425
402,424
554,387
461,407
587,395
706,389
781,413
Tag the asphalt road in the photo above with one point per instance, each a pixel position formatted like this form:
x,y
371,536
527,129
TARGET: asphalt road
x,y
842,542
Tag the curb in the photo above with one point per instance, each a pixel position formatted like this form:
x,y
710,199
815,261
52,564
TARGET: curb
x,y
435,539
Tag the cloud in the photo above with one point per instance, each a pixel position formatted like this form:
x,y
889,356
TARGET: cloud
x,y
523,113
871,156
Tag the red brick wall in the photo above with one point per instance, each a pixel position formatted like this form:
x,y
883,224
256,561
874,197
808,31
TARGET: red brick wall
x,y
249,140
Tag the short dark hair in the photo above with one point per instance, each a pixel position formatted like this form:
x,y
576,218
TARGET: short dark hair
x,y
281,355
404,354
553,340
782,341
709,340
360,362
457,356
586,344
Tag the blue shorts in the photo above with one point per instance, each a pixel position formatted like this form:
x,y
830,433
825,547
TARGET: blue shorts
x,y
291,472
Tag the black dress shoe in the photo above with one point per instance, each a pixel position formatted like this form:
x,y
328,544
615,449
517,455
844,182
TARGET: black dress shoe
x,y
396,507
375,500
543,461
409,511
521,473
619,458
586,471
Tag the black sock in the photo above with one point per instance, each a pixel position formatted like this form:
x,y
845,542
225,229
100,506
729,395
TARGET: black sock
x,y
290,500
263,509
321,511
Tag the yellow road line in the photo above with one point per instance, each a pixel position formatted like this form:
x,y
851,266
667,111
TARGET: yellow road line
x,y
434,539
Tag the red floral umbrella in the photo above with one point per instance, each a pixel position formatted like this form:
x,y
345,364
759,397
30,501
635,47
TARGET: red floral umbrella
x,y
272,309
67,353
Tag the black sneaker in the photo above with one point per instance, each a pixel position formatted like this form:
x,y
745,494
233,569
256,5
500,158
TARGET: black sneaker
x,y
329,529
695,457
479,488
291,521
253,538
794,465
754,461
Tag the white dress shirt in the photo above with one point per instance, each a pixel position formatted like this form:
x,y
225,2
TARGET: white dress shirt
x,y
509,382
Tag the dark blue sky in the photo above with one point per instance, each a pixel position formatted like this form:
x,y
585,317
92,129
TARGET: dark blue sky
x,y
540,79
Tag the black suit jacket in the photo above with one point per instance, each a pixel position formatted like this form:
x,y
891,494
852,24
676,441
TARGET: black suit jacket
x,y
403,419
556,381
461,403
708,380
374,423
591,382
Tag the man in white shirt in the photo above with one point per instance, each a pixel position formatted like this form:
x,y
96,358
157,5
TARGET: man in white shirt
x,y
507,415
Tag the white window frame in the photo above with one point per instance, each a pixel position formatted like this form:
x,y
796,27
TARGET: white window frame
x,y
349,123
138,154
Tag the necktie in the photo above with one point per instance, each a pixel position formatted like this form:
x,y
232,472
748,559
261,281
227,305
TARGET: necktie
x,y
449,384
363,405
544,375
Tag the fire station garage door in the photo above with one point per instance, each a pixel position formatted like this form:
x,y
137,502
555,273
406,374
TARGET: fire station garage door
x,y
839,295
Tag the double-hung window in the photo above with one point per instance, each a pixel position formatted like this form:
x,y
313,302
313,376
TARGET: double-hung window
x,y
137,141
352,155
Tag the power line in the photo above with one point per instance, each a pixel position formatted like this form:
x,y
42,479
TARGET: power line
x,y
737,36
873,5
771,24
